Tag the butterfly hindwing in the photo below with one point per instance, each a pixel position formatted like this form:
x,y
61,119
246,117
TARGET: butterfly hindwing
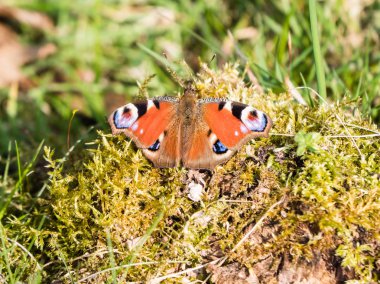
x,y
235,123
166,150
202,149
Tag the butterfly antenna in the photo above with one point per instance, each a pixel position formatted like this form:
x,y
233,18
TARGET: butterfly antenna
x,y
174,74
144,86
189,71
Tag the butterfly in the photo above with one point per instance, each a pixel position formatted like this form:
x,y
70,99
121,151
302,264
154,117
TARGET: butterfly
x,y
197,134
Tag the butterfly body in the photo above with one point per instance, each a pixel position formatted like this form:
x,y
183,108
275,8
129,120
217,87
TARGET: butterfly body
x,y
197,134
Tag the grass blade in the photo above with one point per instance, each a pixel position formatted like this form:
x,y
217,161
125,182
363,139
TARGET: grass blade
x,y
22,174
112,256
317,49
144,238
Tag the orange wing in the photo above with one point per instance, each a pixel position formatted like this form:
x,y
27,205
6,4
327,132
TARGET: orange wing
x,y
143,121
235,123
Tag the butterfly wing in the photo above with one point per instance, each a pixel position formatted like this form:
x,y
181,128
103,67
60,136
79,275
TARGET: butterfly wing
x,y
165,153
235,123
151,125
221,128
201,150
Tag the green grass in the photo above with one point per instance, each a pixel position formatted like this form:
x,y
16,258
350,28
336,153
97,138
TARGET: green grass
x,y
105,49
96,43
317,49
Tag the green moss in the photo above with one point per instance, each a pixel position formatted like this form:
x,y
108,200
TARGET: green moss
x,y
330,187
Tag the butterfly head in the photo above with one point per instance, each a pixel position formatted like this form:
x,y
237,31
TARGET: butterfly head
x,y
190,91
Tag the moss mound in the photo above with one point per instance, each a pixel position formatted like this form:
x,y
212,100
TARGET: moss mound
x,y
283,209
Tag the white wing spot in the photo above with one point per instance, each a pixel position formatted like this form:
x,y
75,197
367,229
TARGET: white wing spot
x,y
236,133
141,131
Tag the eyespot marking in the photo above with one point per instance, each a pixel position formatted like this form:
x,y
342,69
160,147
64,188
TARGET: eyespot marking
x,y
219,148
254,120
125,116
155,146
252,115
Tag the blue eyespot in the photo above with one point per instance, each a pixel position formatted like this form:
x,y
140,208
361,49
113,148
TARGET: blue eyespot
x,y
219,148
155,146
262,125
122,118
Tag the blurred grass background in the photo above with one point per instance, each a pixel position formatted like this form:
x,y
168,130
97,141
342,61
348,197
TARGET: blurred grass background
x,y
102,48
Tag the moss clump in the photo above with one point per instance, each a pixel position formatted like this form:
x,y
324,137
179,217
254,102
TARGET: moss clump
x,y
325,190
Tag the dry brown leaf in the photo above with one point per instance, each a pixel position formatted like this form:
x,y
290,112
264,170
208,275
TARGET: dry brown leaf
x,y
12,53
246,33
145,16
12,56
30,18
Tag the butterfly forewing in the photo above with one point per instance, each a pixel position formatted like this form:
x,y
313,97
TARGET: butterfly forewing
x,y
149,124
235,123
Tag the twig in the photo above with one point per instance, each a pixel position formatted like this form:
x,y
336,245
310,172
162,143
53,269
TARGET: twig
x,y
333,136
124,266
293,91
27,252
86,255
258,224
282,134
352,136
362,128
172,275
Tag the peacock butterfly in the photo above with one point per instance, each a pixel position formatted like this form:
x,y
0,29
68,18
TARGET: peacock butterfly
x,y
198,134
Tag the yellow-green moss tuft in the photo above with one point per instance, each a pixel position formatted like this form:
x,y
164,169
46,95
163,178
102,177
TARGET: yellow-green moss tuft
x,y
329,187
